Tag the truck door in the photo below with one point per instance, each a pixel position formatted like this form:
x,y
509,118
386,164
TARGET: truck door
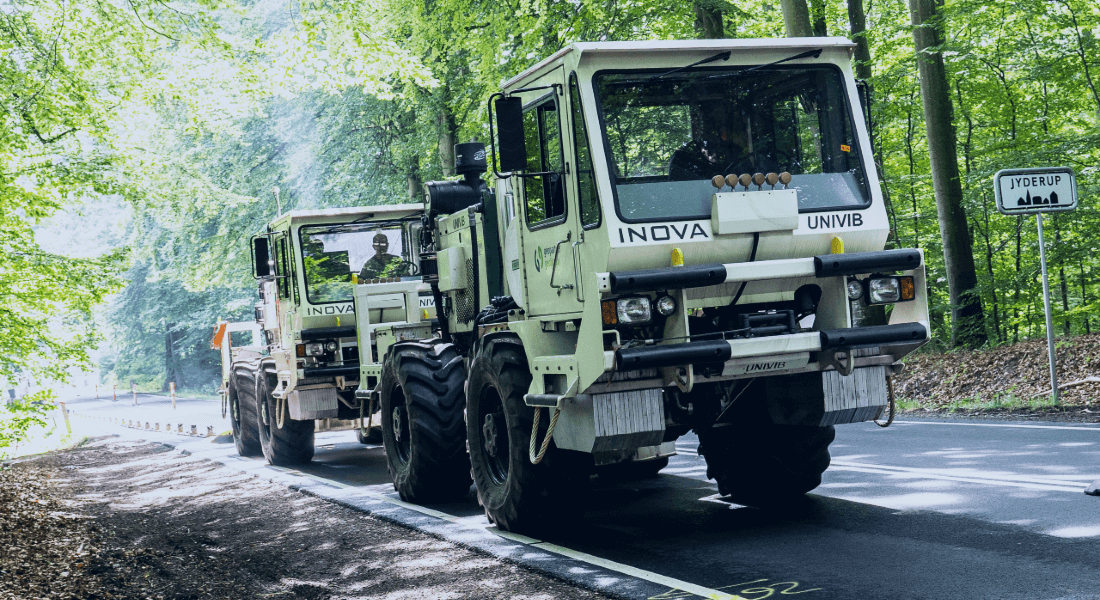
x,y
548,201
583,194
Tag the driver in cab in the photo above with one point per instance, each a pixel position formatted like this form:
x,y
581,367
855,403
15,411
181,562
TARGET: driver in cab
x,y
382,264
720,147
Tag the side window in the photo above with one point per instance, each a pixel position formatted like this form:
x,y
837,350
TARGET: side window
x,y
292,273
282,267
586,179
545,194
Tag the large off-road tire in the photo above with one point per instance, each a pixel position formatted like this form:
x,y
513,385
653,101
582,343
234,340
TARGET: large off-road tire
x,y
242,411
758,463
516,495
291,445
422,429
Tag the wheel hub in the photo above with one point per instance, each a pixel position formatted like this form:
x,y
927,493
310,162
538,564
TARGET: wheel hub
x,y
397,423
489,430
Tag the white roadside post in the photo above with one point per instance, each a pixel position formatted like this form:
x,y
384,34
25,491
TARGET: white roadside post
x,y
1035,191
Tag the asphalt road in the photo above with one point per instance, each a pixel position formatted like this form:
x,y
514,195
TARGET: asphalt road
x,y
923,509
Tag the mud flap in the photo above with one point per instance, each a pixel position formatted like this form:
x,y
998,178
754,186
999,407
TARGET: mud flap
x,y
827,397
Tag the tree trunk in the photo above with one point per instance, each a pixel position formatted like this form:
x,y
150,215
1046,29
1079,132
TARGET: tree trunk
x,y
796,18
1062,277
171,365
708,20
858,21
1082,53
412,175
817,18
909,134
445,123
1019,284
987,235
967,326
1084,295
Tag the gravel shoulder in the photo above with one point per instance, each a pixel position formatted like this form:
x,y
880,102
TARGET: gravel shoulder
x,y
118,519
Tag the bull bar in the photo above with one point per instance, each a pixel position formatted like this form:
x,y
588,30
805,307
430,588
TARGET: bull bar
x,y
720,351
828,265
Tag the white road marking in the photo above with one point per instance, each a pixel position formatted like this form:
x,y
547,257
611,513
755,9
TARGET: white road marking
x,y
611,565
1008,425
1024,481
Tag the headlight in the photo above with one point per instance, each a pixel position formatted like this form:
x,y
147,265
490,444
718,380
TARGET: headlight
x,y
632,311
666,305
315,349
330,346
855,289
887,290
883,290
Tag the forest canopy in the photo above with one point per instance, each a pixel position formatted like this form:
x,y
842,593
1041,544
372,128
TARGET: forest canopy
x,y
190,112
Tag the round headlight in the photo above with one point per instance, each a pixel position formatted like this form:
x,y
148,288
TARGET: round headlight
x,y
330,346
666,305
855,289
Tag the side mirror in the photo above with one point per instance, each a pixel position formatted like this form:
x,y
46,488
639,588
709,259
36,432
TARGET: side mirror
x,y
513,147
262,263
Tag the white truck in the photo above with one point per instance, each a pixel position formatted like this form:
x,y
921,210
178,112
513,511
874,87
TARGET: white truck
x,y
674,241
316,269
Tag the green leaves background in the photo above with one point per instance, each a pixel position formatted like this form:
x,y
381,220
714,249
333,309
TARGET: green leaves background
x,y
189,112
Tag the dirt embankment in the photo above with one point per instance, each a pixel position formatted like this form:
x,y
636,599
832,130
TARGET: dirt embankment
x,y
134,521
1014,375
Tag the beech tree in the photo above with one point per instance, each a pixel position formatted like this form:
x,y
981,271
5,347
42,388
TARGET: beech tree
x,y
967,324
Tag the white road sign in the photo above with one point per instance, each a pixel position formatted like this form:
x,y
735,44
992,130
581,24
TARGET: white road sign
x,y
1037,190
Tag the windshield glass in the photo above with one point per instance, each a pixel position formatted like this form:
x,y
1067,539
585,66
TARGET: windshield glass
x,y
331,254
668,137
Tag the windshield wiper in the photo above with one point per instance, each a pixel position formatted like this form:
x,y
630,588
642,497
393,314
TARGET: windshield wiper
x,y
807,54
726,55
720,56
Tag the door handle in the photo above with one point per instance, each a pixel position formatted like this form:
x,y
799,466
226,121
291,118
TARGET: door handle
x,y
554,268
577,269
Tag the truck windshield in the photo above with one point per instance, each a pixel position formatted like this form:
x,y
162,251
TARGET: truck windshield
x,y
667,138
332,254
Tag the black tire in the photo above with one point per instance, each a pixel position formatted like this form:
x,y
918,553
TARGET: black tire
x,y
291,445
422,427
373,436
630,471
516,495
242,412
761,464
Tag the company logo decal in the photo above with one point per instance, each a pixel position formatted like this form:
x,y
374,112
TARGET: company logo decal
x,y
662,233
538,259
834,221
331,309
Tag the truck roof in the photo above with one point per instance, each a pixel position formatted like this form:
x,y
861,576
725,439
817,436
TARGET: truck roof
x,y
382,210
685,45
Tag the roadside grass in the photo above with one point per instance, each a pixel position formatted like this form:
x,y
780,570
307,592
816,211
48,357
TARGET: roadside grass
x,y
1009,400
906,404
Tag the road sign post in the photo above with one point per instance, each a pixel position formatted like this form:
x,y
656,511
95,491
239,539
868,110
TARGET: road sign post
x,y
1046,307
1033,192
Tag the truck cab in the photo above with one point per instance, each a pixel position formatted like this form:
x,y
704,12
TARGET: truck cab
x,y
314,268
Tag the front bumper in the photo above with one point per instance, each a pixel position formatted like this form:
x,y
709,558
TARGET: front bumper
x,y
722,351
827,265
